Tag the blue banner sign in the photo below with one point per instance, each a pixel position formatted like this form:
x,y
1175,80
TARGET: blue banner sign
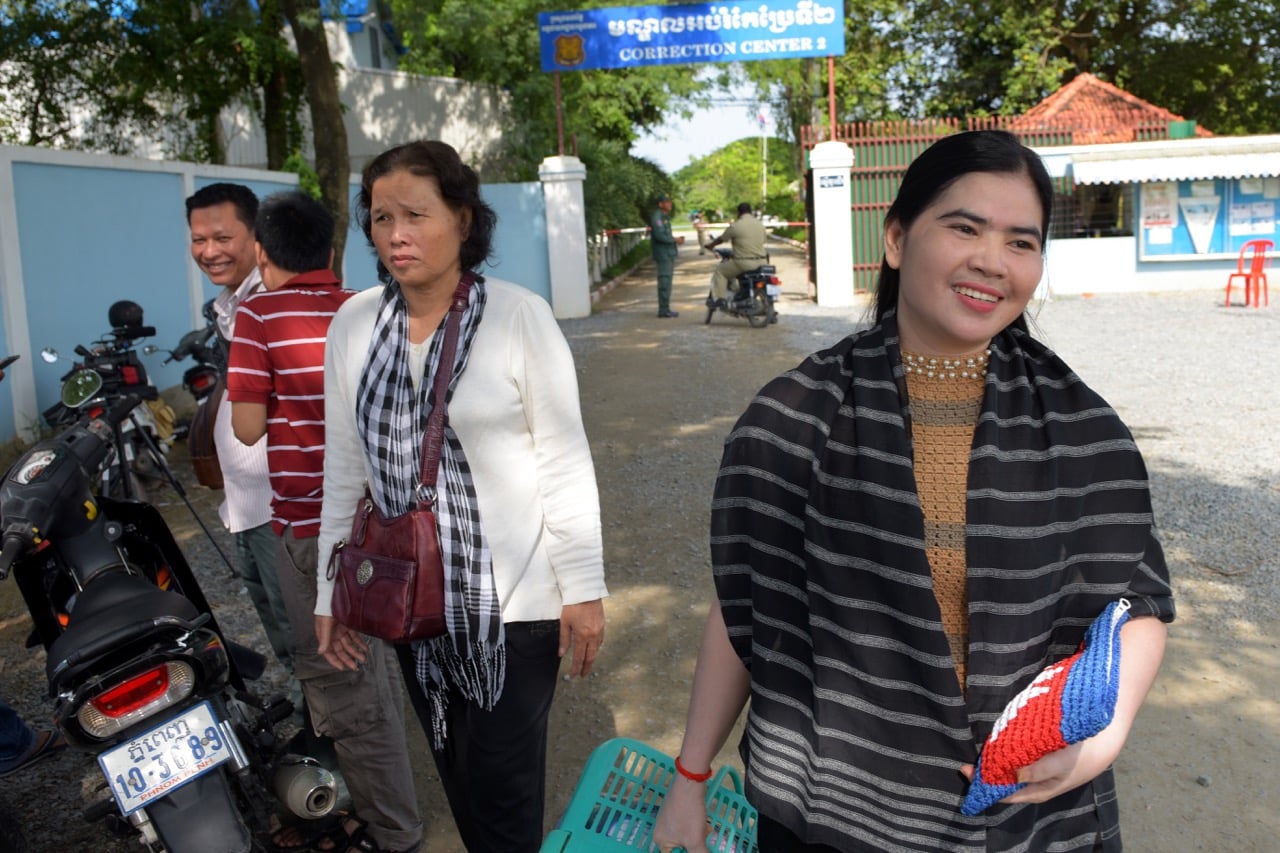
x,y
630,36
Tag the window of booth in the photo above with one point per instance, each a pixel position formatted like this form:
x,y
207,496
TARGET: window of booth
x,y
1212,218
1093,210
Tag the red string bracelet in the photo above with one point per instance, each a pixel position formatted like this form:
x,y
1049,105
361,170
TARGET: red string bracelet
x,y
692,777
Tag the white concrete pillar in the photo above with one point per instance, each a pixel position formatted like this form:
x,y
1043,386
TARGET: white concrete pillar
x,y
832,223
562,179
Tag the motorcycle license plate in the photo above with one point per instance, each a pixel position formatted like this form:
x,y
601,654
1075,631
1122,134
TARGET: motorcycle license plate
x,y
774,290
164,758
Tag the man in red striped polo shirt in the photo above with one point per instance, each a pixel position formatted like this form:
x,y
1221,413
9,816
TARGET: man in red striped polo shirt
x,y
275,382
275,374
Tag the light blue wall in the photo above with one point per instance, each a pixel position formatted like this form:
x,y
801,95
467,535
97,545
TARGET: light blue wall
x,y
89,235
521,254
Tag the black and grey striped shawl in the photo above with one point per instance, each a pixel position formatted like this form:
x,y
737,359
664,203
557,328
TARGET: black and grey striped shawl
x,y
857,726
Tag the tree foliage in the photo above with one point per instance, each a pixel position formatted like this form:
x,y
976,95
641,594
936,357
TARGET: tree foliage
x,y
731,175
1214,61
333,162
100,75
103,74
603,111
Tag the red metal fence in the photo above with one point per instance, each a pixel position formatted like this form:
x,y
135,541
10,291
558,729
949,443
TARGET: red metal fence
x,y
882,150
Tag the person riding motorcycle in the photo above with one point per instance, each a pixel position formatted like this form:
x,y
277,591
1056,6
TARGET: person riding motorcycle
x,y
747,235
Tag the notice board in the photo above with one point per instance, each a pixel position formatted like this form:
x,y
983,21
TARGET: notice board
x,y
1181,220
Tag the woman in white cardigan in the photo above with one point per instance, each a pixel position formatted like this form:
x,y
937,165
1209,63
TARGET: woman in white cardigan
x,y
518,507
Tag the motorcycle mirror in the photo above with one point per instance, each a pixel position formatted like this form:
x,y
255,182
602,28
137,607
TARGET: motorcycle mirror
x,y
80,387
49,354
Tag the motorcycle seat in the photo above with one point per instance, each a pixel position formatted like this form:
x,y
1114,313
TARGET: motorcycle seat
x,y
114,602
767,269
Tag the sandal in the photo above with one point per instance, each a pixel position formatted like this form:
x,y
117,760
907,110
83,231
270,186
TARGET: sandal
x,y
342,841
302,836
47,743
358,839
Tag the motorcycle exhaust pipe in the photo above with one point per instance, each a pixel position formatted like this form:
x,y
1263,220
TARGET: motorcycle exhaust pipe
x,y
306,789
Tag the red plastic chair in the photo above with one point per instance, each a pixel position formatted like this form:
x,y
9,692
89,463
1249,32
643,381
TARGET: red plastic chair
x,y
1255,277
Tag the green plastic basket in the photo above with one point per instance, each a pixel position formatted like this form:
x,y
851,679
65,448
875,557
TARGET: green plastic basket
x,y
618,796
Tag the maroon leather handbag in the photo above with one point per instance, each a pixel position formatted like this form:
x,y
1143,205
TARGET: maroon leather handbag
x,y
389,577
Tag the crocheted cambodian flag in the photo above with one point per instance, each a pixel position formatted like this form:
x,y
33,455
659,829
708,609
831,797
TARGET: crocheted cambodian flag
x,y
1069,701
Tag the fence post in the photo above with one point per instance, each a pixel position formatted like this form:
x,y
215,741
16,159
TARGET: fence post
x,y
562,179
832,223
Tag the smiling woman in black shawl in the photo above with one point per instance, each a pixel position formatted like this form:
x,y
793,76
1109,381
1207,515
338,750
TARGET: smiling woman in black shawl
x,y
907,529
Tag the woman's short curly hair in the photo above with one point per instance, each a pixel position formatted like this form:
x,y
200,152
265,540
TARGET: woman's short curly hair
x,y
459,187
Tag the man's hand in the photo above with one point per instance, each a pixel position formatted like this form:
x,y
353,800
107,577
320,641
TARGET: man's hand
x,y
582,629
341,647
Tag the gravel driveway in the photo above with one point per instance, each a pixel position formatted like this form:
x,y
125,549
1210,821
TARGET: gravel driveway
x,y
1198,383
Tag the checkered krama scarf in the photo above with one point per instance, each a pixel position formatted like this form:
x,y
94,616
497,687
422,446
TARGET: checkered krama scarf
x,y
392,417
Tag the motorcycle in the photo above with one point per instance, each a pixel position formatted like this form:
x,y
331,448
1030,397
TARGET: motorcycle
x,y
757,291
139,672
104,373
199,345
203,381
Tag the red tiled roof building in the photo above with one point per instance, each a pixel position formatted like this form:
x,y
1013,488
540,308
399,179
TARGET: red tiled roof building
x,y
1096,112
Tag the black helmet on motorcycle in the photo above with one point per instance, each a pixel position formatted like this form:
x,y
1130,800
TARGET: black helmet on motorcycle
x,y
125,318
124,314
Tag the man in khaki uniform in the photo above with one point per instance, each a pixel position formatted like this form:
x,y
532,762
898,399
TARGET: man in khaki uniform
x,y
747,236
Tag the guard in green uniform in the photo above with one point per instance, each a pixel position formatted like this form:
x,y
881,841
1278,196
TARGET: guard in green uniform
x,y
664,253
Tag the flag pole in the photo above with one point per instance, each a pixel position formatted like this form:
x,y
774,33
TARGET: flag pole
x,y
764,161
559,116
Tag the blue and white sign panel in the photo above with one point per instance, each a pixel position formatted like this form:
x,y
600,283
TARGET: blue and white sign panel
x,y
630,36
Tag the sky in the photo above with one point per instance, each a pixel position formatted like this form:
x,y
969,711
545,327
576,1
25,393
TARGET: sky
x,y
675,143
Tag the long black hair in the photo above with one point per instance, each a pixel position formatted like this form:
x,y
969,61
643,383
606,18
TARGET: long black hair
x,y
459,187
941,165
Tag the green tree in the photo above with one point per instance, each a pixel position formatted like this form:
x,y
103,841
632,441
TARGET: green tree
x,y
55,56
993,58
1214,61
731,175
101,75
329,132
602,112
873,78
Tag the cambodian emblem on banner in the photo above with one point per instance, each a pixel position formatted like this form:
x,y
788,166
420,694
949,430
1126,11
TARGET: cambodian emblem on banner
x,y
570,50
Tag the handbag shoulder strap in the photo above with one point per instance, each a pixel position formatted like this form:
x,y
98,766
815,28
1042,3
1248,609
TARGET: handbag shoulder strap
x,y
434,434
